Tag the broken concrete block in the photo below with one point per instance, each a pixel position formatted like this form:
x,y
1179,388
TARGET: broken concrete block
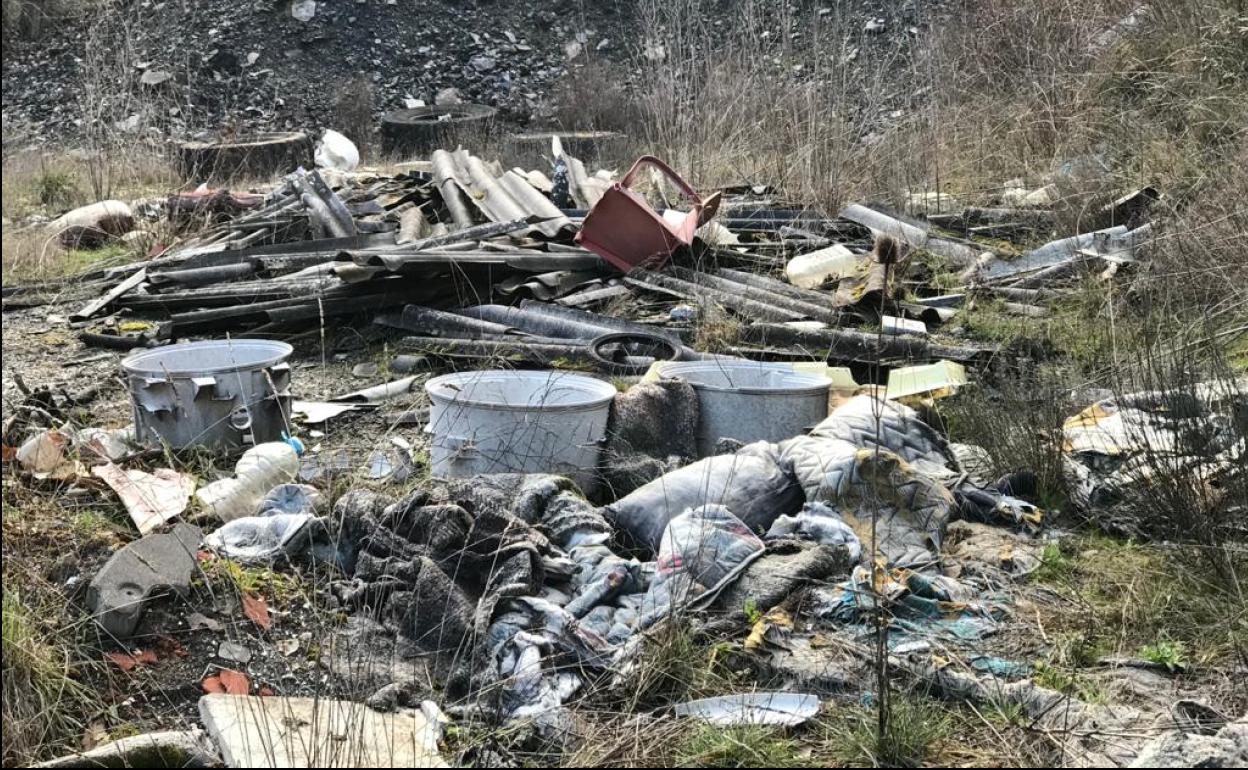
x,y
93,225
134,574
1228,748
172,748
315,732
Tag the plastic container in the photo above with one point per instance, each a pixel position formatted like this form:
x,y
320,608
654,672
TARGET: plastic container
x,y
256,473
221,394
518,421
810,271
751,401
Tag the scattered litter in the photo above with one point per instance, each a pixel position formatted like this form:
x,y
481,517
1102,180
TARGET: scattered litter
x,y
151,499
628,233
43,455
93,225
258,471
198,620
129,662
318,412
816,268
273,536
336,152
233,651
937,380
257,611
228,681
305,732
1110,447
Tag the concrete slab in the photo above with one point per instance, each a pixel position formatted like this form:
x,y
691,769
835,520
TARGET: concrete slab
x,y
149,565
254,731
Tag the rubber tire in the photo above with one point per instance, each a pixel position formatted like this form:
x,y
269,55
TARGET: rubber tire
x,y
254,157
615,367
418,131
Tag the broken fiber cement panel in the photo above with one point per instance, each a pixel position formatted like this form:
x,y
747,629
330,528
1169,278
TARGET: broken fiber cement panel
x,y
313,732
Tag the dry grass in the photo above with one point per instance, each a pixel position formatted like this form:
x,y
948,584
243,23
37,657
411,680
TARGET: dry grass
x,y
40,187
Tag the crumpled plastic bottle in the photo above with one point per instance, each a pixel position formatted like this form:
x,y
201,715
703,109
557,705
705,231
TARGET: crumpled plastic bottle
x,y
259,470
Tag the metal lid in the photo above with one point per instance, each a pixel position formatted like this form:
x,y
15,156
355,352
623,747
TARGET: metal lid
x,y
207,357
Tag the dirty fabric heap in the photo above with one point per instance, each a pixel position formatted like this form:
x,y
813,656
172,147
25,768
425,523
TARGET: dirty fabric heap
x,y
518,591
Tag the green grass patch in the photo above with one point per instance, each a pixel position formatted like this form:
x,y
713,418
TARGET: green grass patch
x,y
714,746
1172,655
253,580
1055,565
44,704
1137,599
916,729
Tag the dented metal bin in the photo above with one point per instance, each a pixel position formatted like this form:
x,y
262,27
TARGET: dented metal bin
x,y
518,421
751,401
225,394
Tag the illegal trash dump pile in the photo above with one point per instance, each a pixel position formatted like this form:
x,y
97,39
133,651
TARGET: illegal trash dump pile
x,y
571,514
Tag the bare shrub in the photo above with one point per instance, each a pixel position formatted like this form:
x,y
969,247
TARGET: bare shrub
x,y
1193,489
1198,258
121,118
1019,423
592,97
28,18
748,107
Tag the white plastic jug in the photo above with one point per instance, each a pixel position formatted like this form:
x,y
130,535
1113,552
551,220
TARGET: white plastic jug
x,y
261,468
810,271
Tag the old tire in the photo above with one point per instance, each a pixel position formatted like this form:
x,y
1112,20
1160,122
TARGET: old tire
x,y
630,353
250,157
421,130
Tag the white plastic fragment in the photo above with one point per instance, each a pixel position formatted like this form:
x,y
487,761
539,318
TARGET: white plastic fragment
x,y
810,271
894,325
929,381
754,708
337,152
303,10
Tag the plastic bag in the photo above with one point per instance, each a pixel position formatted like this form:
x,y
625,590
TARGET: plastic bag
x,y
337,152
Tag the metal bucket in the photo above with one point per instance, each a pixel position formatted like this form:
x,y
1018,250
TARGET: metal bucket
x,y
518,421
751,401
222,394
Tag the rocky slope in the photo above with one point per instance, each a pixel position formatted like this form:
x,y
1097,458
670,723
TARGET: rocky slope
x,y
217,65
275,64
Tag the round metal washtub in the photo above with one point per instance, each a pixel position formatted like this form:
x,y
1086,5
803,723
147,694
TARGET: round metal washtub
x,y
221,394
751,401
518,421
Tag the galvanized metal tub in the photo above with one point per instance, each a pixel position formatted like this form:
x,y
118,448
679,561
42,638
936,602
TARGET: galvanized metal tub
x,y
518,421
751,401
222,394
